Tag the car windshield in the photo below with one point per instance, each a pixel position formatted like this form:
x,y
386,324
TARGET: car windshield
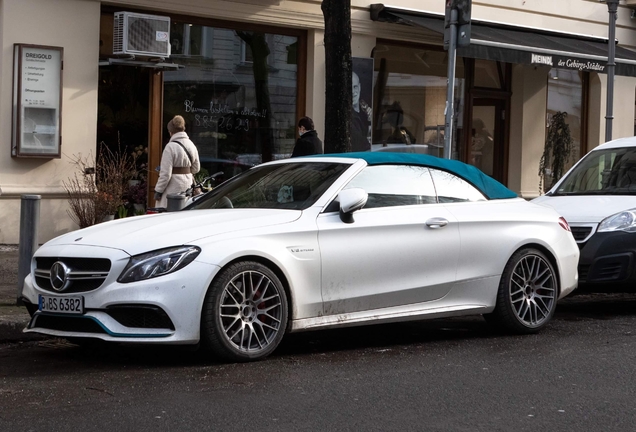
x,y
282,186
603,172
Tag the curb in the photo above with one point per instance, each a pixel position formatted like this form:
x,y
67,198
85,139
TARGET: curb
x,y
13,319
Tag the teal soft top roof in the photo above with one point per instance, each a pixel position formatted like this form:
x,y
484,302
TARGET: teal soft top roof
x,y
486,184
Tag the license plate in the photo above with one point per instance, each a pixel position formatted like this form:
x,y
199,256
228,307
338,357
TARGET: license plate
x,y
65,305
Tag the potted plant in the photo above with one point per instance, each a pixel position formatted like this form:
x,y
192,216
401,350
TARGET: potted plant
x,y
557,150
122,211
138,196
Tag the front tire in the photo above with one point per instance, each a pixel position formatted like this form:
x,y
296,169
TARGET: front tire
x,y
527,295
245,313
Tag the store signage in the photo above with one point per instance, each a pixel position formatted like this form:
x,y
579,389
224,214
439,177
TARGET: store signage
x,y
37,101
582,65
541,59
564,62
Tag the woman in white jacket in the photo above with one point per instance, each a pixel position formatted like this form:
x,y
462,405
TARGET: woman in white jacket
x,y
179,161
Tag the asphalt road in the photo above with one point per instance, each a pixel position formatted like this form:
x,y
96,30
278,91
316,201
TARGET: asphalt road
x,y
442,375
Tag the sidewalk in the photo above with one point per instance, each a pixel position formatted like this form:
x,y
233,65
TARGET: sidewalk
x,y
12,318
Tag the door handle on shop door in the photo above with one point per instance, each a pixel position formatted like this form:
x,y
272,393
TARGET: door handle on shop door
x,y
436,223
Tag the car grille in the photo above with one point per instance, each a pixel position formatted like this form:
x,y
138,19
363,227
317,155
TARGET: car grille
x,y
67,324
580,233
611,268
132,316
140,316
86,274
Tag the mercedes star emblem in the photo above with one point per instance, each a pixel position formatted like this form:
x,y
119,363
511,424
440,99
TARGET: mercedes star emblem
x,y
59,276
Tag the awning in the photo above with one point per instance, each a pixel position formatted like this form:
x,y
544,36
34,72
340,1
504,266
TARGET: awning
x,y
139,63
514,44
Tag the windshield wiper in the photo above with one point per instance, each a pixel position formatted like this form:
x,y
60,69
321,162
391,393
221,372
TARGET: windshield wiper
x,y
620,192
579,193
594,193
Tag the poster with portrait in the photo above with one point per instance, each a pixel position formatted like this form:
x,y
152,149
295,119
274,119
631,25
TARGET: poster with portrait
x,y
362,112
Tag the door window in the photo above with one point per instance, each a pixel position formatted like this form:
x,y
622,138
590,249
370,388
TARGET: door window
x,y
395,185
482,148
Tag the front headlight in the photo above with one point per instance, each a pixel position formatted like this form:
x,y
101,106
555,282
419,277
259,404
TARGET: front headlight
x,y
158,263
623,221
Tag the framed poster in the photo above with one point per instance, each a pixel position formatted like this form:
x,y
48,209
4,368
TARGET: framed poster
x,y
362,110
37,101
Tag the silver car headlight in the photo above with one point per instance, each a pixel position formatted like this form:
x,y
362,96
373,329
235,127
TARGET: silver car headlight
x,y
623,221
158,263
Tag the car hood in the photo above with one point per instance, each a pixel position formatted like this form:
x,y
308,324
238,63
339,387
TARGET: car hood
x,y
588,208
140,234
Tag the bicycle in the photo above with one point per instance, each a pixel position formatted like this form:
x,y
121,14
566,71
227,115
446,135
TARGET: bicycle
x,y
191,192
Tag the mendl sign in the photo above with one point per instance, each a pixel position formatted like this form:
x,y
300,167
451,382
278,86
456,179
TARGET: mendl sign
x,y
564,62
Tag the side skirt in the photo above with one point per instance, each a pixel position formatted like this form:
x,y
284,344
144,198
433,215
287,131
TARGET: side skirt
x,y
382,316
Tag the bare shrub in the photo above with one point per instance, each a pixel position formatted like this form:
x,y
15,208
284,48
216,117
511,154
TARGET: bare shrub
x,y
96,189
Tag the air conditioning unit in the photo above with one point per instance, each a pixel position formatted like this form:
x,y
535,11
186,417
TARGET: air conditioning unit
x,y
141,35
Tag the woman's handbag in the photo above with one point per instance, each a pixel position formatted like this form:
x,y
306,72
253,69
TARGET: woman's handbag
x,y
195,190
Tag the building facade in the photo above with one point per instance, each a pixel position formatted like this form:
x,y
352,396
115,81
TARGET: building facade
x,y
242,72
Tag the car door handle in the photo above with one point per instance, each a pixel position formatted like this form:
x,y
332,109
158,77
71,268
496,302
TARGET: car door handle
x,y
436,223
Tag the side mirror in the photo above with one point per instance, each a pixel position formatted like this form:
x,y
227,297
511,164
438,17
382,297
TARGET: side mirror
x,y
351,200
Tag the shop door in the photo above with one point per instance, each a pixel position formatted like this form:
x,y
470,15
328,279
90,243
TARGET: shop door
x,y
486,147
128,121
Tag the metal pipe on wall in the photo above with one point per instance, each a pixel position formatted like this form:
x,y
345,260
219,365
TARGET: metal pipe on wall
x,y
612,7
450,91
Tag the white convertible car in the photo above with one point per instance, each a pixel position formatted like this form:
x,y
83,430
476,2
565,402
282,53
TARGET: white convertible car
x,y
308,243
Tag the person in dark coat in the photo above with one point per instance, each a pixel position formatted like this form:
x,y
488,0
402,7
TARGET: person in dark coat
x,y
308,143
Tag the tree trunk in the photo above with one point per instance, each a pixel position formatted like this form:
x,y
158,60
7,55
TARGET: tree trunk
x,y
338,99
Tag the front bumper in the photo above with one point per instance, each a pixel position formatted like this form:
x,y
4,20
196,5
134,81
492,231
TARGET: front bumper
x,y
164,310
608,258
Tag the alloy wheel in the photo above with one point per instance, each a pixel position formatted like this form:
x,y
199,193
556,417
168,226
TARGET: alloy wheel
x,y
532,290
251,311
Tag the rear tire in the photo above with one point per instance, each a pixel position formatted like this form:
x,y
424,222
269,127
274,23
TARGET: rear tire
x,y
527,295
244,313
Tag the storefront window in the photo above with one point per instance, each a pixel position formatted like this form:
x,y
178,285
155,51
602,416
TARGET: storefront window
x,y
565,94
237,92
488,74
410,98
482,148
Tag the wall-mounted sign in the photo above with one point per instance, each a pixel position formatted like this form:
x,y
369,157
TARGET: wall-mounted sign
x,y
37,101
541,59
582,65
568,63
